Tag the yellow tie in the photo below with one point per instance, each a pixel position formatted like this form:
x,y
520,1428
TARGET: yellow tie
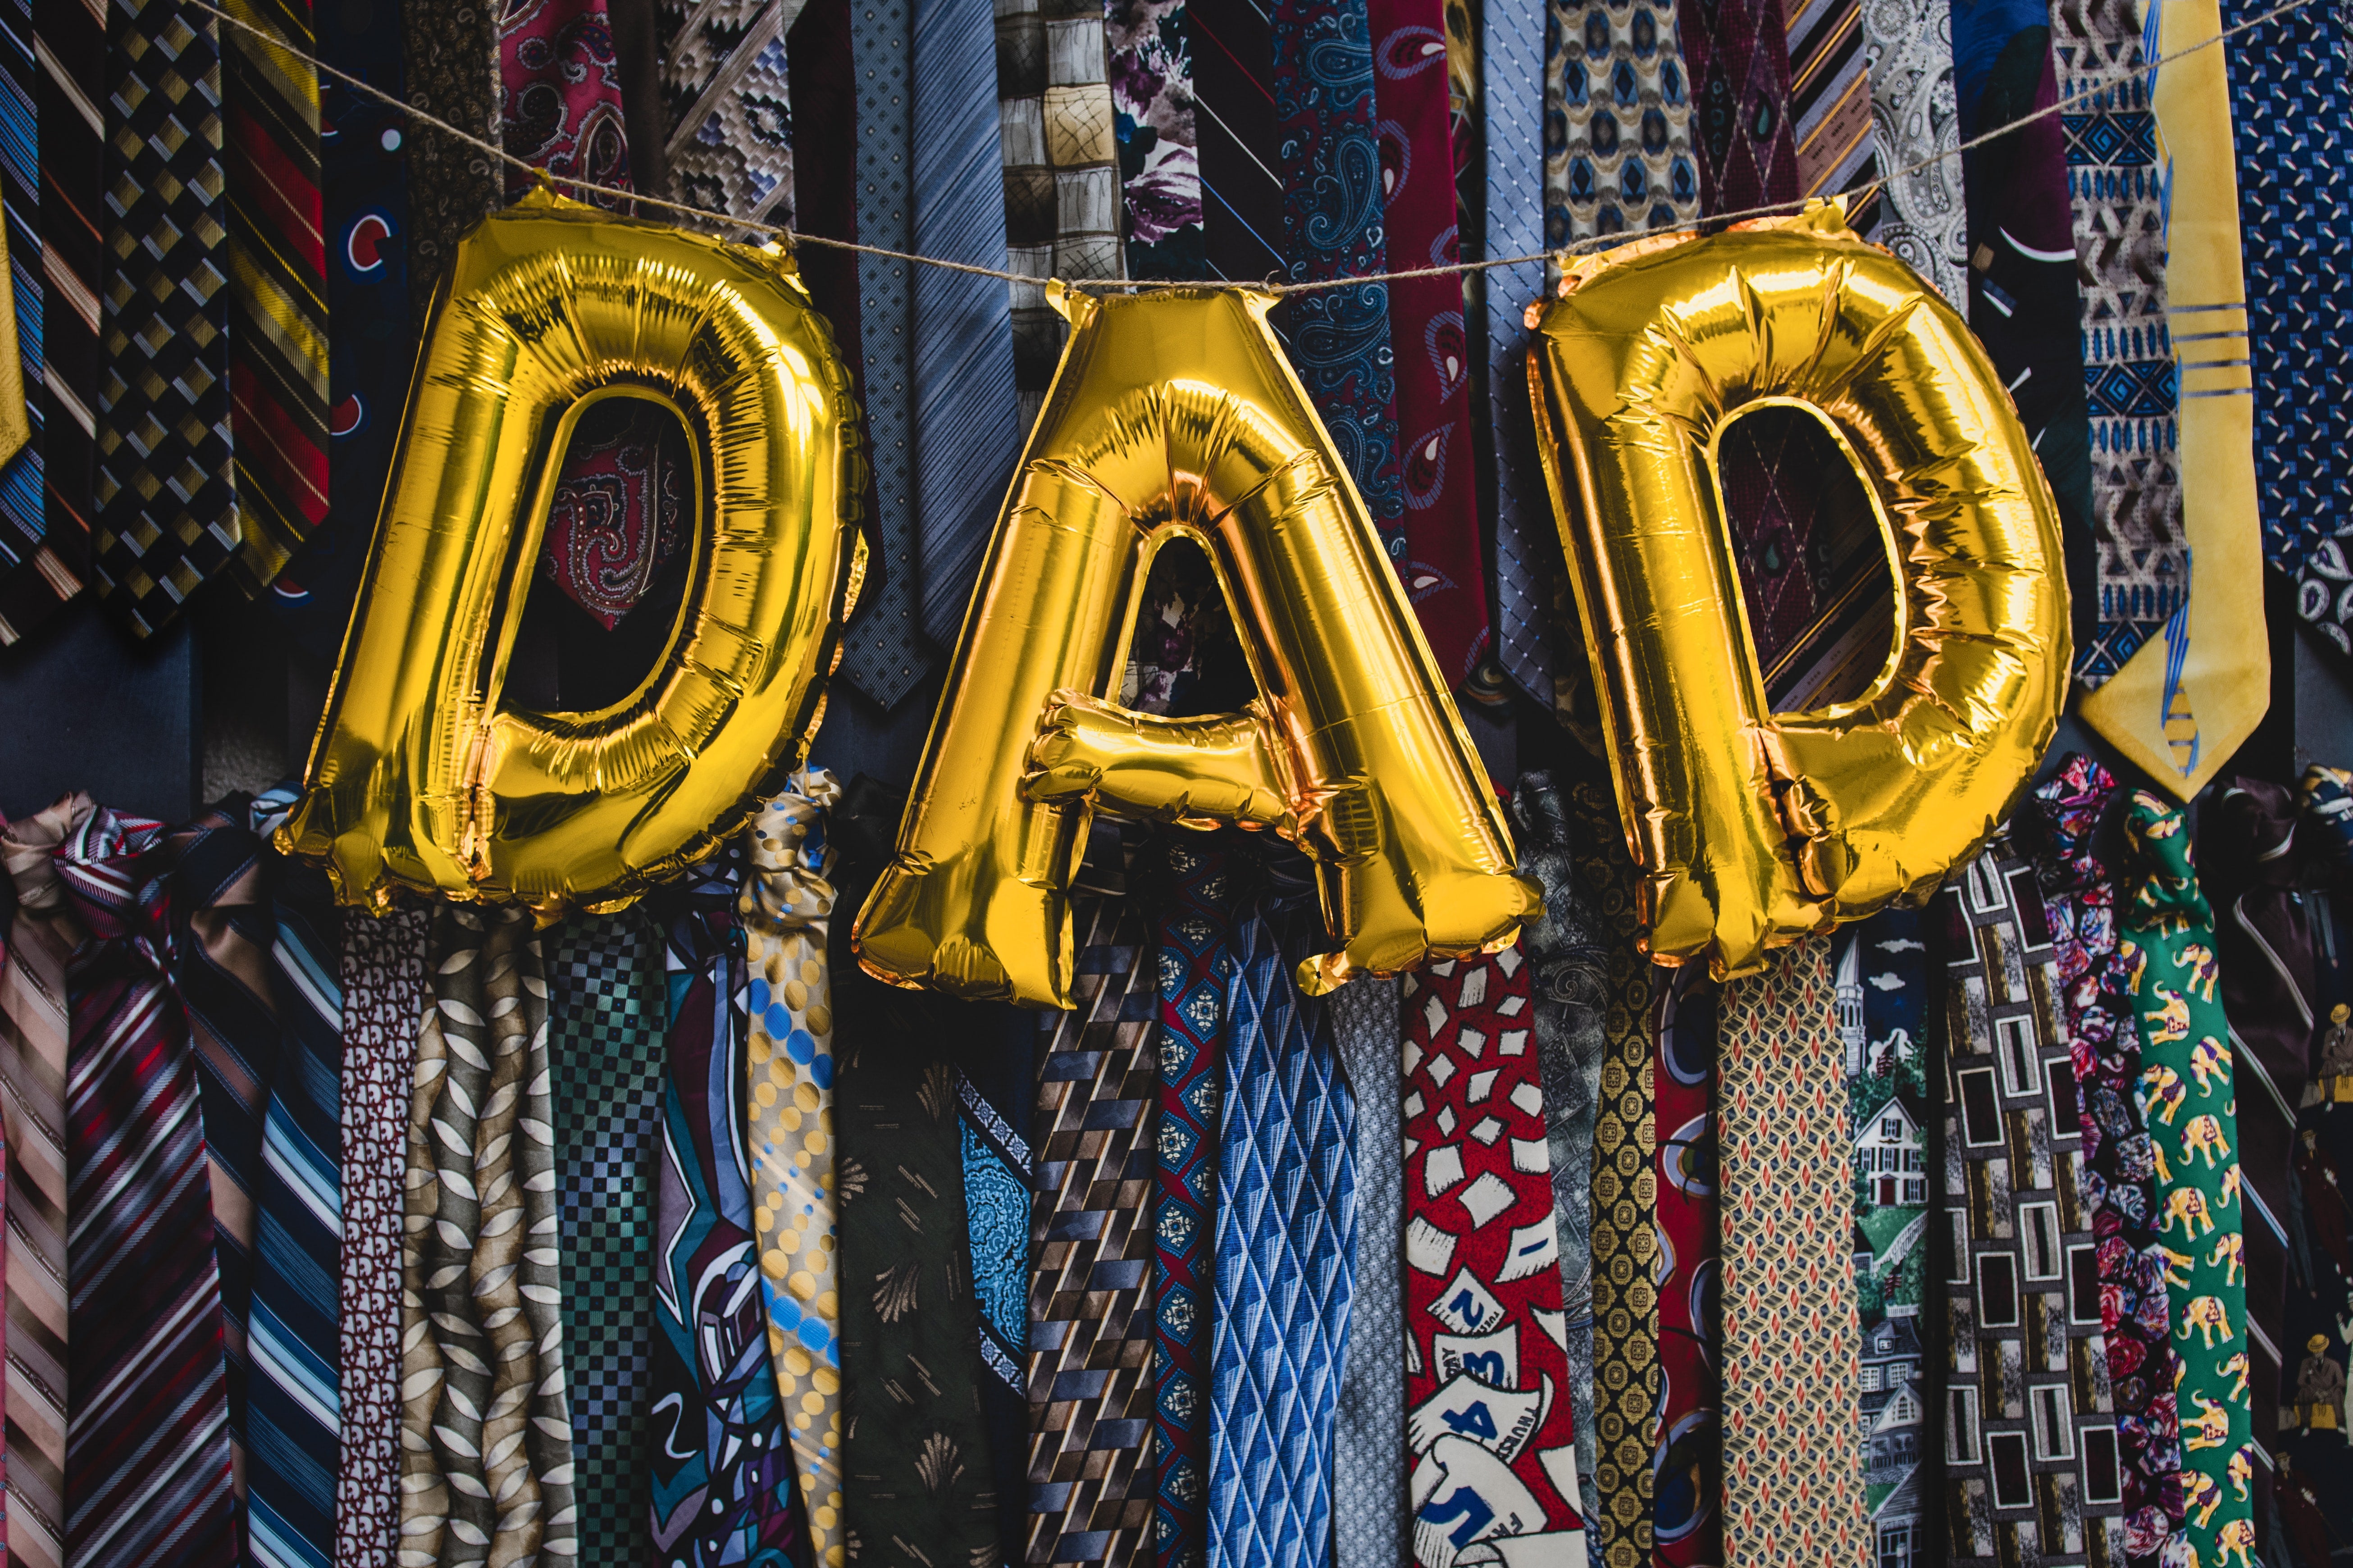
x,y
2181,705
788,1107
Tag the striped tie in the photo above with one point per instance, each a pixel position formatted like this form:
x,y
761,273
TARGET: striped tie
x,y
1241,194
1830,103
33,1057
27,594
277,284
1370,1521
147,1450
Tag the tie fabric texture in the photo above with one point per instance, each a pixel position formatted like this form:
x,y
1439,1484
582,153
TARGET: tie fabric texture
x,y
1494,1454
1687,1502
166,517
1738,59
1437,468
1193,964
451,69
607,1008
43,935
382,971
994,1126
1511,97
560,93
1147,58
726,85
1370,1525
23,593
720,1473
965,439
41,545
73,53
1091,1331
619,514
147,1449
1241,191
1792,1458
2312,1418
2180,706
788,1086
1286,1243
1618,122
486,1434
1830,105
2186,1099
1922,218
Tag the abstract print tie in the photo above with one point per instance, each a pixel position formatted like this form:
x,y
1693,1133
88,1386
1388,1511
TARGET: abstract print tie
x,y
452,61
486,1436
1487,1395
719,1463
1090,1333
560,93
1792,1463
1285,1249
1370,1525
1686,1505
1922,218
147,1449
726,85
1147,50
996,1180
1195,965
383,976
1618,111
607,1009
2186,1102
787,1089
166,498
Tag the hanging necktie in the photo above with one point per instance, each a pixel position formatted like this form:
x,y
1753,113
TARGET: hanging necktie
x,y
1487,1395
726,85
560,94
1792,1459
718,1454
1921,216
2180,706
1438,472
383,977
1193,933
1149,62
1370,1525
2128,375
1617,123
1687,1501
1233,87
2184,1097
1829,106
965,439
1090,1481
26,595
167,515
486,1437
147,1450
42,937
1511,91
606,1012
2313,1414
450,58
787,1087
1737,56
1286,1244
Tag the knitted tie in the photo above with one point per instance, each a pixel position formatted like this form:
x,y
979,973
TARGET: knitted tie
x,y
1371,1527
1687,1502
147,1450
383,976
486,1437
607,1008
1487,1396
788,1111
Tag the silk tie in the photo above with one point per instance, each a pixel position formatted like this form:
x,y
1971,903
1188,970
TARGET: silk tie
x,y
1438,472
1241,194
42,937
1738,58
1148,59
147,1449
1922,218
382,975
2185,1097
26,595
728,89
606,1015
1090,1481
718,1455
560,93
1493,1455
1687,1498
966,441
167,515
1370,1525
2313,1414
1617,131
788,1086
2181,705
1286,1248
1791,1447
486,1437
451,51
1193,933
1829,106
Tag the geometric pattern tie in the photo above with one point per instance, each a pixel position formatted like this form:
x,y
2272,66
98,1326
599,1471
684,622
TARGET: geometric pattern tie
x,y
1370,1527
1792,1461
147,1457
167,496
1620,157
729,98
1736,60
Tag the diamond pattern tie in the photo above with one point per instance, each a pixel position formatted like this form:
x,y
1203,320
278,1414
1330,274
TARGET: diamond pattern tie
x,y
1370,1527
1738,58
147,1449
1286,1253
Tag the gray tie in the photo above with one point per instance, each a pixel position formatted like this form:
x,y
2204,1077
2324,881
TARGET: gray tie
x,y
1511,91
1368,1513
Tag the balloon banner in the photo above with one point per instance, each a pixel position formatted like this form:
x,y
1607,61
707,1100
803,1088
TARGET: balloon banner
x,y
1175,415
1753,827
419,777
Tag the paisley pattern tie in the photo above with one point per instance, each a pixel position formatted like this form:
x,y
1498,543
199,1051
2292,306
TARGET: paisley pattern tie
x,y
1908,44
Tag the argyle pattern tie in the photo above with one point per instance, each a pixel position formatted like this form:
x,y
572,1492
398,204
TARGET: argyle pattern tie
x,y
965,439
42,937
382,971
147,1447
1091,1484
1370,1525
1286,1250
607,1009
1493,1450
1686,1503
25,594
1737,55
1791,1464
486,1438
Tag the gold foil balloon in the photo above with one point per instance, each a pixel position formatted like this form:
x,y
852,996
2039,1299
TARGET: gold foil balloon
x,y
1754,828
1176,416
420,776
